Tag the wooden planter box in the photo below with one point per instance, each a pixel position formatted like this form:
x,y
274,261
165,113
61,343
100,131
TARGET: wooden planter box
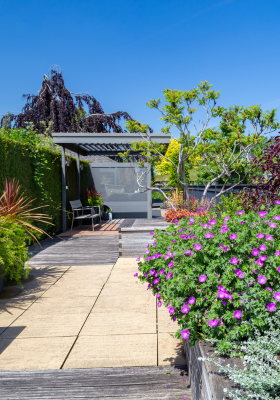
x,y
205,380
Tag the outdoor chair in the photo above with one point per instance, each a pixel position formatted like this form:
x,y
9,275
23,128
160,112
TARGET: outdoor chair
x,y
77,206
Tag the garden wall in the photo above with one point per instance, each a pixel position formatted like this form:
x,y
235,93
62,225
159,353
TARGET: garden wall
x,y
40,177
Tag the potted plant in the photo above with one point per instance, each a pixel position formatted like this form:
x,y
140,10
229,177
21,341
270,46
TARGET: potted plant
x,y
106,213
92,198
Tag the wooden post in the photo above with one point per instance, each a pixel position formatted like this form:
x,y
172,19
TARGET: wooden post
x,y
63,188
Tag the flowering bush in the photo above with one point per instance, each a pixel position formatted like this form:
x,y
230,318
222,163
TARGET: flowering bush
x,y
219,278
171,214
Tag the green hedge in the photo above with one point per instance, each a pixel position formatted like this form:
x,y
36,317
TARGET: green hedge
x,y
17,162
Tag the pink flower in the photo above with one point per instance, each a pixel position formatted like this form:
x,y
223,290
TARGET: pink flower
x,y
224,229
268,288
202,278
278,269
226,218
147,251
212,222
213,323
185,334
262,247
157,295
192,300
277,253
260,235
135,274
269,237
159,304
240,212
191,219
170,265
255,252
234,260
277,202
161,271
173,241
221,295
169,274
182,236
237,314
149,285
185,309
225,248
277,296
138,259
209,235
250,284
242,222
262,214
233,236
152,272
171,310
156,281
151,233
276,217
272,225
262,279
197,247
188,252
271,307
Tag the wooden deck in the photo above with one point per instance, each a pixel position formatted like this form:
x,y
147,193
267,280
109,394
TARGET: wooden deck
x,y
143,383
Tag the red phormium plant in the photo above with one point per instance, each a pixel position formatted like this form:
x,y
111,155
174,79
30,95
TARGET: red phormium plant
x,y
171,214
266,178
91,192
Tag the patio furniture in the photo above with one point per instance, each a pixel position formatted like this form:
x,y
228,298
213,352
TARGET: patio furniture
x,y
77,206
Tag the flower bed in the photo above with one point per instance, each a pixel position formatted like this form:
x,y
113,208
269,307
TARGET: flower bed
x,y
172,215
219,278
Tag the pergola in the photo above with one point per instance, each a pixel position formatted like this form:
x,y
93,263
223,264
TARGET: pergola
x,y
105,144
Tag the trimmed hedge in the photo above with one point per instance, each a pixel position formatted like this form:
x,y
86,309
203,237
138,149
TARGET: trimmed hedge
x,y
16,162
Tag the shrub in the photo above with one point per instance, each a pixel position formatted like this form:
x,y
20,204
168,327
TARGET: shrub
x,y
219,278
172,215
13,251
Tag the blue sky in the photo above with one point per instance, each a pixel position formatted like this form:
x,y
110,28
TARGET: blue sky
x,y
125,52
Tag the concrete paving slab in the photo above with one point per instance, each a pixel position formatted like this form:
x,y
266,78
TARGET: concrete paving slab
x,y
72,291
113,351
165,323
138,303
10,311
118,323
170,350
39,326
41,353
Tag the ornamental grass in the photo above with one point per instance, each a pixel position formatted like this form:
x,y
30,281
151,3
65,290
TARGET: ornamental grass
x,y
219,278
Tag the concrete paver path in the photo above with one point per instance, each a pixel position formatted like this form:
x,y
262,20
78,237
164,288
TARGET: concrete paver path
x,y
85,317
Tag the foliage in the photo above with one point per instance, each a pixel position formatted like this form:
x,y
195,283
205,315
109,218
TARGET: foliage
x,y
56,107
229,205
220,278
17,208
158,196
16,161
91,197
13,251
172,215
266,177
261,354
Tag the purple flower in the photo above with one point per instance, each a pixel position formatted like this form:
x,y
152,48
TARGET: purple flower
x,y
213,322
149,285
135,274
268,288
234,260
171,310
138,259
156,281
212,222
239,273
276,217
255,252
259,262
272,225
262,279
174,318
224,229
157,295
209,235
271,307
192,300
147,251
197,247
185,334
240,212
159,304
202,278
277,202
262,247
191,219
185,309
250,284
151,233
242,222
277,296
225,248
233,236
169,274
269,237
170,265
237,314
175,220
188,252
260,235
224,303
152,272
277,253
227,218
221,295
262,214
173,241
161,271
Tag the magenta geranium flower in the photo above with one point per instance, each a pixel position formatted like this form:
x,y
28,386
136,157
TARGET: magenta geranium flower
x,y
212,222
170,265
188,252
191,219
277,217
259,262
202,278
277,202
185,334
233,236
277,253
250,284
173,241
147,251
240,212
221,295
224,229
157,295
242,222
185,309
213,322
227,218
262,279
149,285
161,271
278,269
151,233
209,235
169,274
260,235
277,296
138,259
269,237
262,247
182,236
135,274
271,307
262,214
197,247
224,303
237,314
234,260
171,310
159,304
156,281
225,248
268,288
272,225
152,272
255,252
192,300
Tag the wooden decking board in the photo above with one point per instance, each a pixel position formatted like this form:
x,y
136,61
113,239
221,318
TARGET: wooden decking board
x,y
149,383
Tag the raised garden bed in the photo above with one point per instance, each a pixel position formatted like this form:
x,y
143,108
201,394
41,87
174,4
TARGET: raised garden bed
x,y
205,380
